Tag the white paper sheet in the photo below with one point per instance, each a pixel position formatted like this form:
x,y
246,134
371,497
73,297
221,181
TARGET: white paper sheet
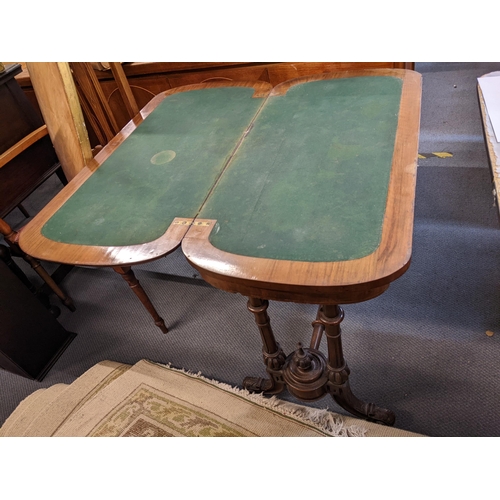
x,y
490,87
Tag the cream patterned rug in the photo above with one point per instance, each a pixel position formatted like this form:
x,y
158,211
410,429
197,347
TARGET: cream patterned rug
x,y
147,399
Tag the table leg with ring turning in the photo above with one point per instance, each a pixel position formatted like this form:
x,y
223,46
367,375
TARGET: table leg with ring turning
x,y
274,357
128,275
330,316
307,373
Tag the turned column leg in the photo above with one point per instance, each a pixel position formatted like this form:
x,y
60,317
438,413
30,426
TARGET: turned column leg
x,y
129,276
37,267
274,357
318,330
330,316
12,237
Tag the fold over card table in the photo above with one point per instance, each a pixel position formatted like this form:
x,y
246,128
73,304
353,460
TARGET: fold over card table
x,y
303,193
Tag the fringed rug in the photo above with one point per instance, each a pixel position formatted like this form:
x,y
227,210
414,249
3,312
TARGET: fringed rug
x,y
147,399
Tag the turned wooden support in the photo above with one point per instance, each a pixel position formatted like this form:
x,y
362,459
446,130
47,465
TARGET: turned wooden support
x,y
338,372
307,373
12,238
274,357
129,276
259,309
331,316
38,268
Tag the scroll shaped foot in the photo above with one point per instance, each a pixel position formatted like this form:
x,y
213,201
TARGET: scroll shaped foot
x,y
343,395
264,385
275,383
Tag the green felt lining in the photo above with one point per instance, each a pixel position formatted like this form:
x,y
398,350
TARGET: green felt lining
x,y
163,170
310,181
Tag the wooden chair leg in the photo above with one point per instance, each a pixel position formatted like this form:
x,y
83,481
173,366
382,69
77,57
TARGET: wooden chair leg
x,y
129,276
6,256
12,238
38,268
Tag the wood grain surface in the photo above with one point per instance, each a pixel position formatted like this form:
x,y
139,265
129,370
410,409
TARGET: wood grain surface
x,y
58,101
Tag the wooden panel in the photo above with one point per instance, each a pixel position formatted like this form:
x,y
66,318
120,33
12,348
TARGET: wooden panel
x,y
145,68
58,101
124,88
279,73
142,69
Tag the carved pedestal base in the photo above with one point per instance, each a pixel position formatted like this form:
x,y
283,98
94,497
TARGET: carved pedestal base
x,y
307,373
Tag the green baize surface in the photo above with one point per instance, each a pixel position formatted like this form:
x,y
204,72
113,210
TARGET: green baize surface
x,y
309,181
133,197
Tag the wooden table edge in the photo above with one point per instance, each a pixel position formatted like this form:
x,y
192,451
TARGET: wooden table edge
x,y
282,88
389,261
35,244
296,281
103,256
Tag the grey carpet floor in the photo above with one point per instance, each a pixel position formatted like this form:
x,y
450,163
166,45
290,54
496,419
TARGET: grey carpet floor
x,y
420,349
